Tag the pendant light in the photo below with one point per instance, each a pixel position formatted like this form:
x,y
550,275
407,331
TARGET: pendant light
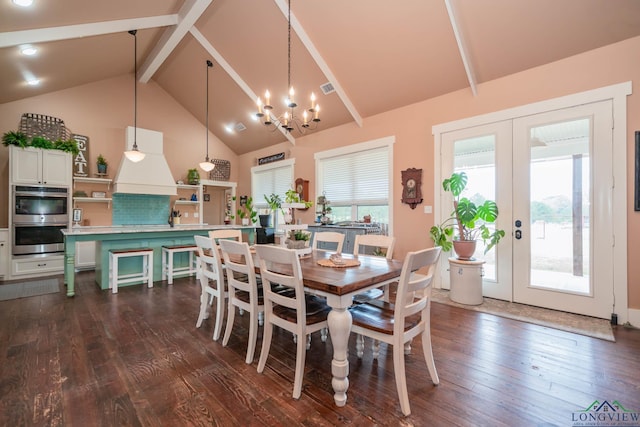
x,y
134,154
207,166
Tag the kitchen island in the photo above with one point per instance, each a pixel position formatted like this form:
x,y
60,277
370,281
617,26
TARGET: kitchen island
x,y
131,237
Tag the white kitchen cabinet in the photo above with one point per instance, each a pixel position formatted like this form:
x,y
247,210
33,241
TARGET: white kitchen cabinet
x,y
4,252
35,166
37,266
85,255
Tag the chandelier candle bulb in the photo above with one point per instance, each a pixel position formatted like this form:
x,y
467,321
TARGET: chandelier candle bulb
x,y
292,103
313,101
305,119
259,103
316,113
267,100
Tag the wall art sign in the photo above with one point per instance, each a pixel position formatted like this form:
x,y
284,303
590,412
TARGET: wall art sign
x,y
270,159
80,164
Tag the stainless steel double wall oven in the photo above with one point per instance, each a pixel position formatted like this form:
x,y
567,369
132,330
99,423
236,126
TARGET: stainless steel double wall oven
x,y
39,215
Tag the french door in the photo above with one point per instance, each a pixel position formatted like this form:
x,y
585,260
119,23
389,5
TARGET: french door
x,y
551,176
562,222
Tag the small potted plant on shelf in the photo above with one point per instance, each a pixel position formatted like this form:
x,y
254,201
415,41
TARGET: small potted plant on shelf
x,y
193,176
292,200
467,223
102,165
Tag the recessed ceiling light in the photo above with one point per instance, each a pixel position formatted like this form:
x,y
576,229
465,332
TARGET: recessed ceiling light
x,y
229,128
28,50
23,3
33,82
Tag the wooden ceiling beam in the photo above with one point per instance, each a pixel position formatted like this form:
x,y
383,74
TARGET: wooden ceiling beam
x,y
462,47
42,35
187,17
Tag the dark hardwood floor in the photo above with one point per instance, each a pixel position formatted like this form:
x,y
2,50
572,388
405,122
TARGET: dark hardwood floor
x,y
137,359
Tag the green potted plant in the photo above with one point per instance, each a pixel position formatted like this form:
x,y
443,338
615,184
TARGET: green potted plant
x,y
246,213
15,138
41,142
298,239
67,145
193,176
467,223
275,203
102,165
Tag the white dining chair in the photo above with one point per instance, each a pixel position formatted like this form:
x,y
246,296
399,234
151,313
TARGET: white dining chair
x,y
234,234
397,324
244,291
374,244
292,311
212,283
328,237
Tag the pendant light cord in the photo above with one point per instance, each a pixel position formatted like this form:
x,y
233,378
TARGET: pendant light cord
x,y
209,65
135,89
289,49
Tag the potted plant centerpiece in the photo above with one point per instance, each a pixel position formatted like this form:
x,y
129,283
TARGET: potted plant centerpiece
x,y
298,239
467,223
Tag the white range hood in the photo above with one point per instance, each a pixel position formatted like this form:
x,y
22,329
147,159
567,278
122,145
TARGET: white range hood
x,y
151,175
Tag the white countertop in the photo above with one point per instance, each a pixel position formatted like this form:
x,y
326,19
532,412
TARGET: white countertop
x,y
119,229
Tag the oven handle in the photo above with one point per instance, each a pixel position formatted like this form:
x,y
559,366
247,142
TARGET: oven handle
x,y
23,193
40,224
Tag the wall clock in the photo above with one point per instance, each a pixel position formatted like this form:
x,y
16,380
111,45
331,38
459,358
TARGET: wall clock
x,y
411,182
302,188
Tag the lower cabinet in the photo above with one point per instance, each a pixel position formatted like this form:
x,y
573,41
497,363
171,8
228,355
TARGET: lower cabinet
x,y
41,266
85,255
350,234
4,252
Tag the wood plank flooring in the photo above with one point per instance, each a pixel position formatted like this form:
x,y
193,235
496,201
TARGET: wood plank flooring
x,y
137,359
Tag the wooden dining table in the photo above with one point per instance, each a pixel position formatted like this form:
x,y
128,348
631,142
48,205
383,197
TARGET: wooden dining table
x,y
339,285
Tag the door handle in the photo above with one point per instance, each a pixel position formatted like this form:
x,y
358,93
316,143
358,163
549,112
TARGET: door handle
x,y
518,234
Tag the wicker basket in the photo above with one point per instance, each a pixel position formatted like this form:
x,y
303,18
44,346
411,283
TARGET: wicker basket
x,y
222,171
48,127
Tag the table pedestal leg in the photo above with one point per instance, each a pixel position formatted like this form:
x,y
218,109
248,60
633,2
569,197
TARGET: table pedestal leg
x,y
339,321
69,272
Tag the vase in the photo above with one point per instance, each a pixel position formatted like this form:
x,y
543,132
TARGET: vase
x,y
265,221
464,249
245,221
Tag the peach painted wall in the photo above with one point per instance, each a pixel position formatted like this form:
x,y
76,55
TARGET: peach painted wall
x,y
101,111
414,145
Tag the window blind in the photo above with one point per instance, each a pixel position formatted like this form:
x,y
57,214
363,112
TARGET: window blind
x,y
357,178
265,181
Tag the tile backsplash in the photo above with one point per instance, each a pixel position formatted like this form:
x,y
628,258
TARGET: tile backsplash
x,y
140,209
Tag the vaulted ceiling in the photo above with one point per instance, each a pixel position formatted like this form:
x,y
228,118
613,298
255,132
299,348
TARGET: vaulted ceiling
x,y
378,55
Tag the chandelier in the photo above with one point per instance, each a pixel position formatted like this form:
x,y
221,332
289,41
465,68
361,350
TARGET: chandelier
x,y
289,120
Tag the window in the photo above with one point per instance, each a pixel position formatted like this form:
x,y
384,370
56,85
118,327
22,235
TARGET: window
x,y
271,178
357,180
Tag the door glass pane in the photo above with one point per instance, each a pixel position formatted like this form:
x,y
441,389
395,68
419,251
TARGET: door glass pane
x,y
476,157
560,206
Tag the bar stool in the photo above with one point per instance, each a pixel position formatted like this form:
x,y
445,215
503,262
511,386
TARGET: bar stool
x,y
145,275
169,271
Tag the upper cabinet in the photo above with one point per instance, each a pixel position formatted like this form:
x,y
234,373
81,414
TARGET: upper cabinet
x,y
36,166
